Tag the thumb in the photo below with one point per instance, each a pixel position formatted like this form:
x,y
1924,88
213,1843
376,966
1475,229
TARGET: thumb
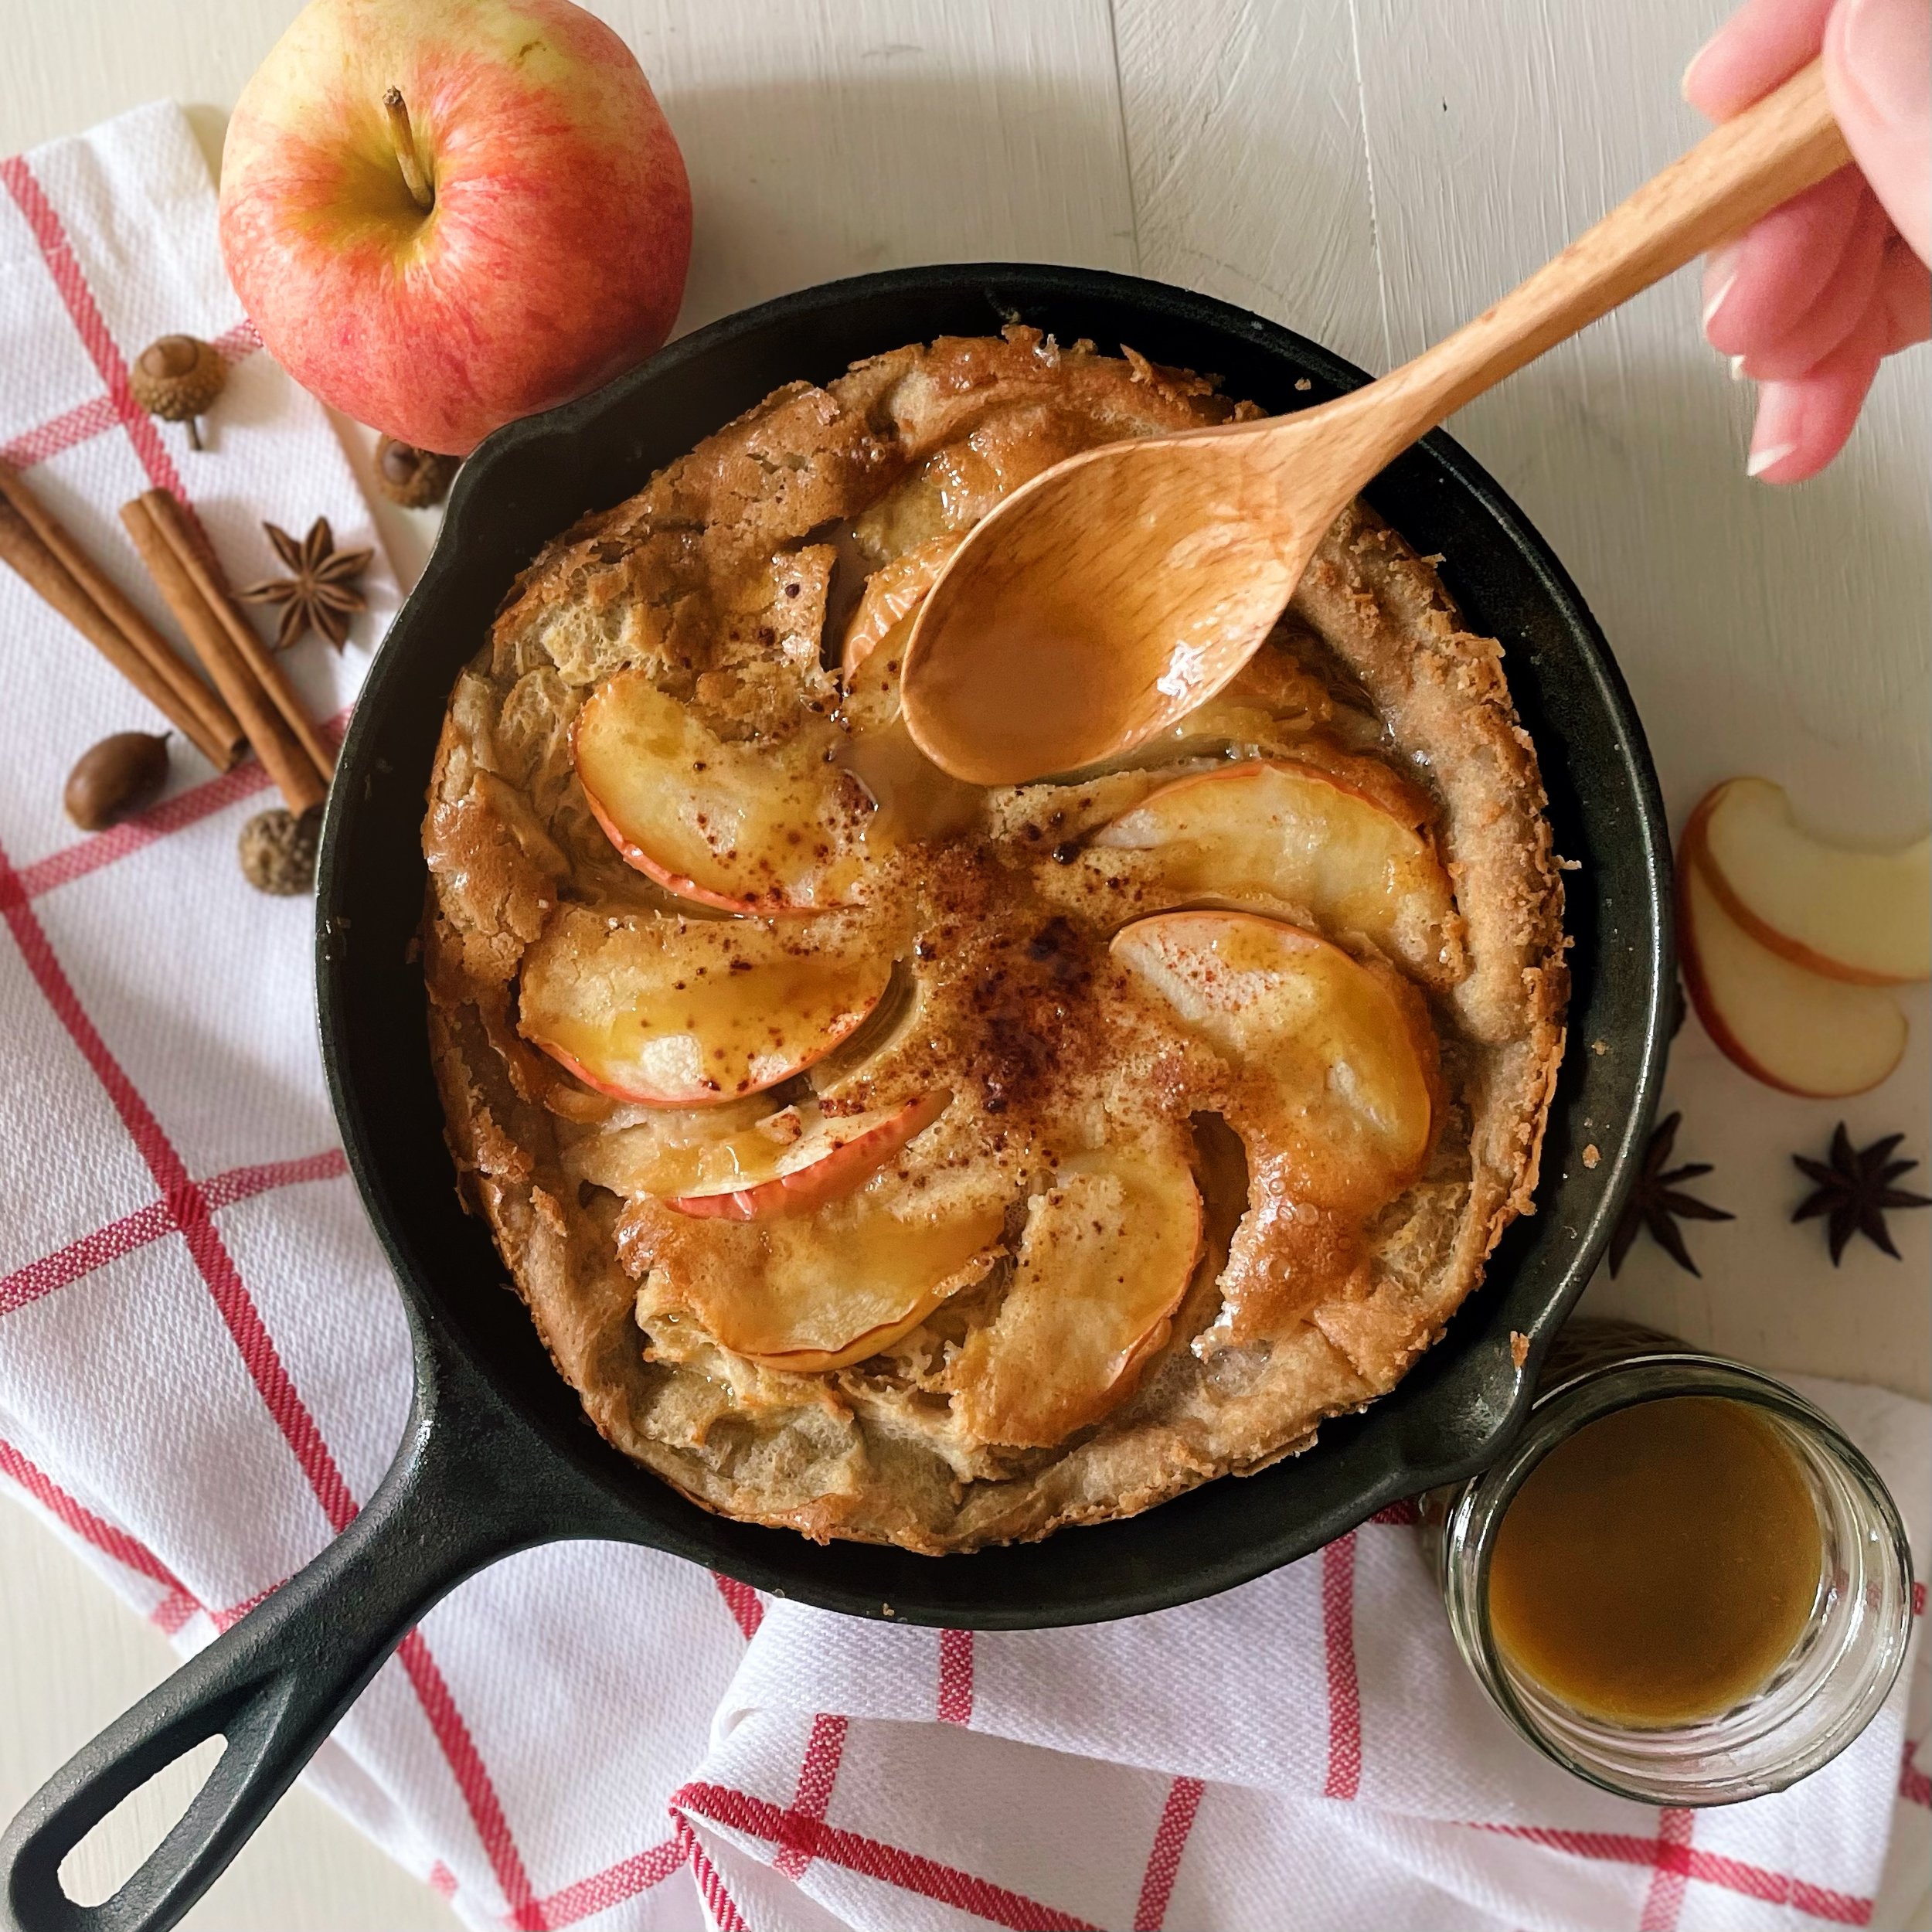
x,y
1878,71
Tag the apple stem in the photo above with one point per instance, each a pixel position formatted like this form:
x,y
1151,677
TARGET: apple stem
x,y
403,137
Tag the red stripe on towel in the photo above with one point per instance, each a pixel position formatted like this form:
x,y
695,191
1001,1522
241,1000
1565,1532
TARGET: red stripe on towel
x,y
956,1677
1164,1860
1345,1693
739,1811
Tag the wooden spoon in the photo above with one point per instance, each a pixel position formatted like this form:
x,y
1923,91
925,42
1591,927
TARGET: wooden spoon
x,y
1113,594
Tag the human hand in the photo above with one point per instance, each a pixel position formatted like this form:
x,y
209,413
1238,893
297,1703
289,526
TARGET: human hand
x,y
1810,300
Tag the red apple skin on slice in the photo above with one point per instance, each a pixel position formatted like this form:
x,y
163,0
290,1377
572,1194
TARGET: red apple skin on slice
x,y
1339,1064
835,1159
812,1293
893,593
1106,1255
740,827
672,1012
1792,1029
1293,832
1865,917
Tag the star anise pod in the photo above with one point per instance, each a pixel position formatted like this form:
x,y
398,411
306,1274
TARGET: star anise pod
x,y
322,594
1855,1188
1656,1202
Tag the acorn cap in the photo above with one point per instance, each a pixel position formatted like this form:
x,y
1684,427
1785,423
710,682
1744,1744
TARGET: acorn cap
x,y
415,478
176,377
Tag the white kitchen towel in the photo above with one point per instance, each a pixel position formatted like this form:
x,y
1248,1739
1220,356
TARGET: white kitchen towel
x,y
203,1371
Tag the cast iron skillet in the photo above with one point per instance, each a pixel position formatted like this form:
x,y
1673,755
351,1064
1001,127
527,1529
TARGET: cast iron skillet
x,y
496,1456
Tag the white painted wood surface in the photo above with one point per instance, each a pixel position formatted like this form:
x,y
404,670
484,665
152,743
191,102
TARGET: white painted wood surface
x,y
1370,172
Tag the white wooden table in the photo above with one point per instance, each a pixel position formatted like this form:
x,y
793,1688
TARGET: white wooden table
x,y
1370,172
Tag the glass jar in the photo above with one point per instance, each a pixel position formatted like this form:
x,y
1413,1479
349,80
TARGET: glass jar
x,y
1836,1676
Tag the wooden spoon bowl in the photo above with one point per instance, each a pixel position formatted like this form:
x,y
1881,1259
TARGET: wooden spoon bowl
x,y
1112,595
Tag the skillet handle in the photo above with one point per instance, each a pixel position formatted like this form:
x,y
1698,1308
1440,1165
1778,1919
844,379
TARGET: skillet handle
x,y
273,1686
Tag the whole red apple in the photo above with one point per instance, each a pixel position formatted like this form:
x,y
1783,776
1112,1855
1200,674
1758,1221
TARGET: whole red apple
x,y
443,214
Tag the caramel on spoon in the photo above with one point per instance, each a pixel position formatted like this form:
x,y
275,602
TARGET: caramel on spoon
x,y
1111,594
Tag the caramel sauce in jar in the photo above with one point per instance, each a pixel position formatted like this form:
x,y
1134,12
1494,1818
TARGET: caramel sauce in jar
x,y
1682,1580
1659,1565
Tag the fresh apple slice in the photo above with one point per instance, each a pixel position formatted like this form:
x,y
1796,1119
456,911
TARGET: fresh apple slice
x,y
1789,1028
744,827
1294,832
832,1159
893,593
676,1012
1105,1259
1338,1058
817,1292
1865,916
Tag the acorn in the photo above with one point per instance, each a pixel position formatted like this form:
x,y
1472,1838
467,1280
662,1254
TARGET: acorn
x,y
114,778
176,377
277,850
415,478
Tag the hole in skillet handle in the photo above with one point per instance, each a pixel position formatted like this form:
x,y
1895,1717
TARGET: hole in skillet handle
x,y
276,1683
105,1860
274,1693
273,1686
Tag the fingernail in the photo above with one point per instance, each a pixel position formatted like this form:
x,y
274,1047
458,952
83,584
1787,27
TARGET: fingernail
x,y
1684,86
1720,276
1760,461
1737,369
1886,46
1717,301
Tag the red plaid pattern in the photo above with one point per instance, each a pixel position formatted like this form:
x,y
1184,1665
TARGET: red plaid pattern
x,y
203,1370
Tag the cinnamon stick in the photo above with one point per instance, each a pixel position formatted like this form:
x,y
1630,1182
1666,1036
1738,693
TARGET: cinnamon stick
x,y
167,516
92,605
286,760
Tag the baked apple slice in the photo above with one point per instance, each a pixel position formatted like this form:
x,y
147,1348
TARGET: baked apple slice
x,y
1288,831
1790,1028
1865,916
893,593
1106,1255
819,1292
678,1013
915,799
1336,1060
828,1161
750,829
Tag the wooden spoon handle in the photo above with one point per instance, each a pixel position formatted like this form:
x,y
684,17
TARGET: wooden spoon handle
x,y
1741,170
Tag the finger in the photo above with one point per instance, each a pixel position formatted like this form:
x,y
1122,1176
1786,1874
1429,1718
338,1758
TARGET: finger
x,y
1763,42
1877,73
1840,308
1803,423
1904,298
1757,286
